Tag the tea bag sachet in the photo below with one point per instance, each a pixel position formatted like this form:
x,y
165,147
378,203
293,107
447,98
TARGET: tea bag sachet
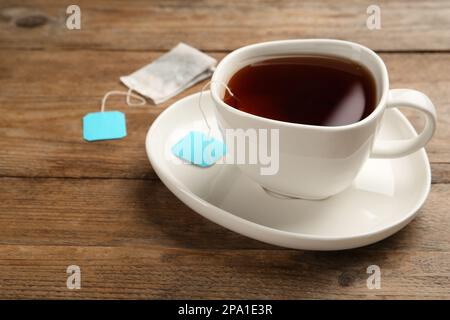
x,y
173,72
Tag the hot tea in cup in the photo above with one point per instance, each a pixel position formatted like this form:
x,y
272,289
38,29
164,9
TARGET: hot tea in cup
x,y
313,90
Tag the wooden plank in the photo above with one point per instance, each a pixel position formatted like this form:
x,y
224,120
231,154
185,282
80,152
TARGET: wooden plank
x,y
131,213
40,127
129,234
440,173
222,25
151,272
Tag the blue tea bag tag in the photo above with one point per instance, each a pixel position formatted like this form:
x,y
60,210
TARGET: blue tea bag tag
x,y
106,125
199,149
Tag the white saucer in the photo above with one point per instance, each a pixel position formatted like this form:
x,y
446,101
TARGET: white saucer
x,y
384,198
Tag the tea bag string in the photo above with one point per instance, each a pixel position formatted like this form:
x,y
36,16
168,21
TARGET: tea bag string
x,y
200,100
128,94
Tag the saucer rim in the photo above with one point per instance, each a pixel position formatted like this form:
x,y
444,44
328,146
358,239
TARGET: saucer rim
x,y
198,204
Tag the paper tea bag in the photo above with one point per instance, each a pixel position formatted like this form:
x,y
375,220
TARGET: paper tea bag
x,y
170,74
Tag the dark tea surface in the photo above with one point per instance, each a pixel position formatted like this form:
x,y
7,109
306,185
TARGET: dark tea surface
x,y
314,90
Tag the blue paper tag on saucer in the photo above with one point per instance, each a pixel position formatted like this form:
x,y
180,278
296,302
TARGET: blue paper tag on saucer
x,y
105,125
199,149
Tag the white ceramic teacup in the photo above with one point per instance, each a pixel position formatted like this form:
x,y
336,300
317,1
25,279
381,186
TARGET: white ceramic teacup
x,y
316,162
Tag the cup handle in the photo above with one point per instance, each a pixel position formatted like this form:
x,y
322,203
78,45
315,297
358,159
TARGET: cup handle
x,y
400,148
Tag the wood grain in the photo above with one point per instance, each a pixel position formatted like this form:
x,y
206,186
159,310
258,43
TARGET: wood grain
x,y
134,239
64,201
152,272
40,127
222,25
129,212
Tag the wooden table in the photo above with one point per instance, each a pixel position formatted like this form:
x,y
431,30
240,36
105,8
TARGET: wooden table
x,y
100,206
